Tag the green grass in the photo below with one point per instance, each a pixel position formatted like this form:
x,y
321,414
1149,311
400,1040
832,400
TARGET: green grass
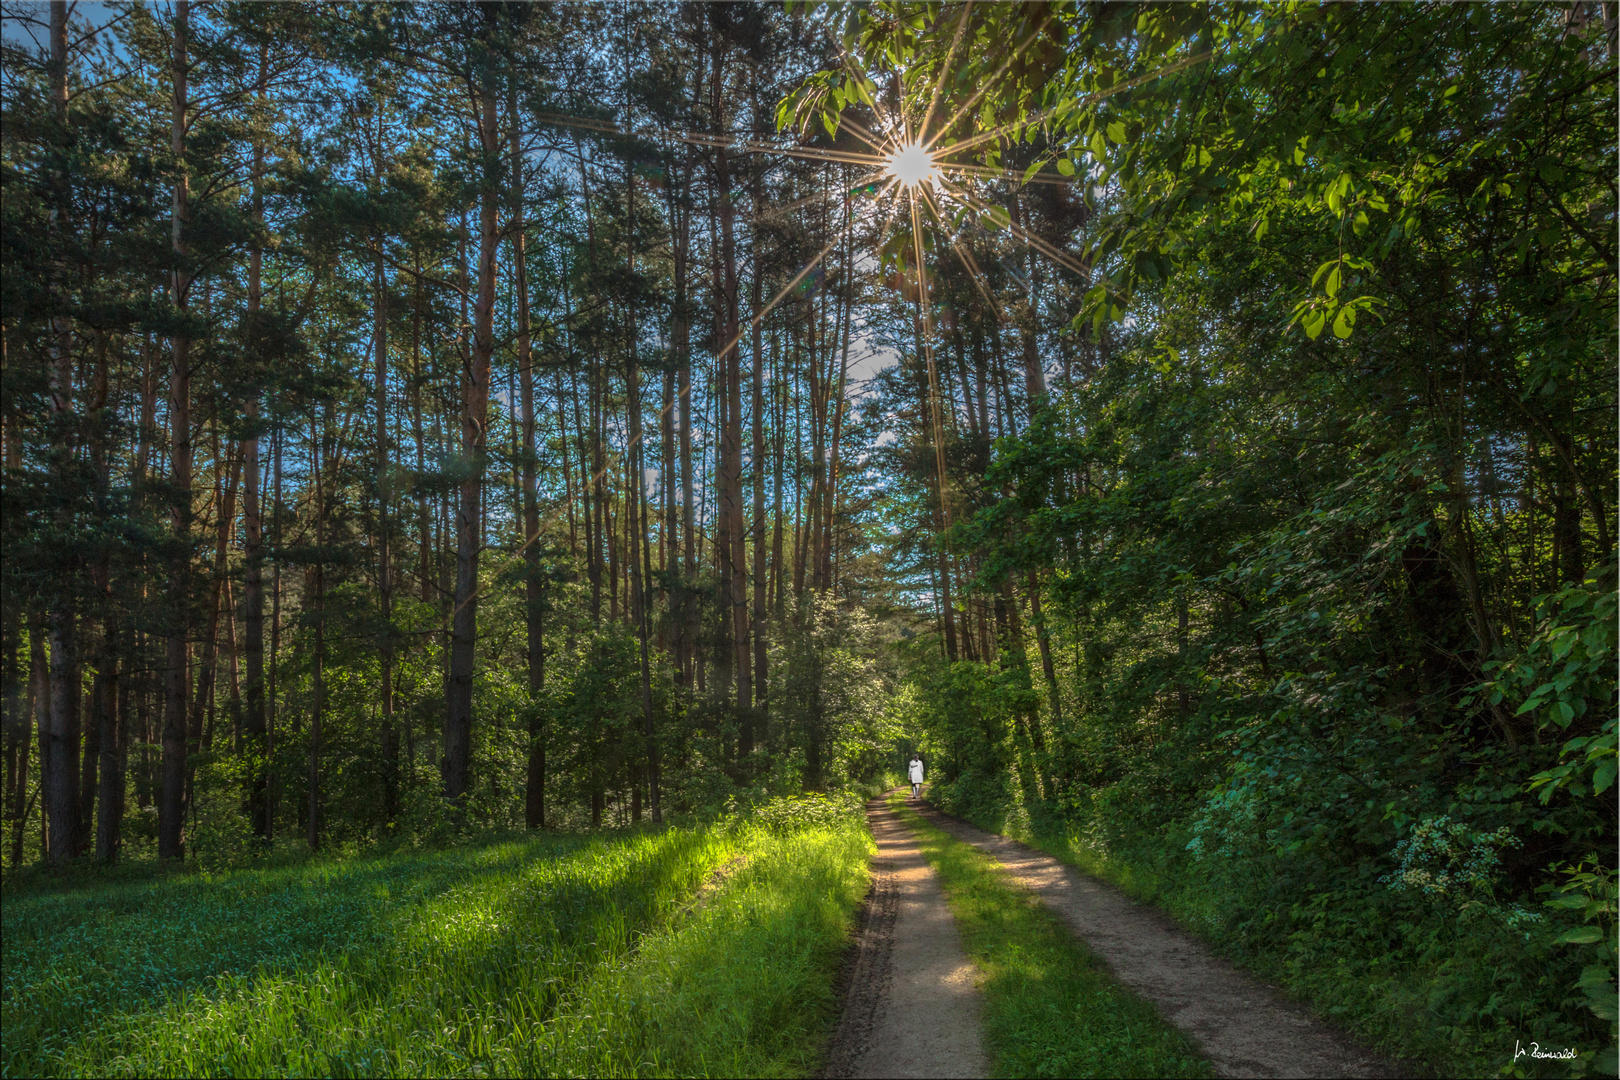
x,y
1050,1009
544,955
1446,1001
742,987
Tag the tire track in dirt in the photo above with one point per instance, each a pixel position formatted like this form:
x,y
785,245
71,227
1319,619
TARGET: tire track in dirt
x,y
911,1005
1243,1027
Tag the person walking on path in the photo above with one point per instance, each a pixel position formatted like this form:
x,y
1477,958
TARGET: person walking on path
x,y
916,776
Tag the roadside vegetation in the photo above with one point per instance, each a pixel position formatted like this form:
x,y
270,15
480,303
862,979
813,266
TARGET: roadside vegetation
x,y
604,955
1446,989
1050,1008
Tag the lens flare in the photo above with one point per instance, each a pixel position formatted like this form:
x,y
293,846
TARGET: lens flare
x,y
912,165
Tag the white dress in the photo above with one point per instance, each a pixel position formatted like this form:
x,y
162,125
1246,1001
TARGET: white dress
x,y
916,772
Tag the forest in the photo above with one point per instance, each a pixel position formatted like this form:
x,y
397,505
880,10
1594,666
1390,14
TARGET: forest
x,y
586,449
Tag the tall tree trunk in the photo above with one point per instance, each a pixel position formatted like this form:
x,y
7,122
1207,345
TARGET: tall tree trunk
x,y
818,443
935,426
757,464
424,527
799,524
145,778
389,735
39,678
778,394
635,530
567,471
686,609
318,472
171,805
106,717
677,403
469,516
603,539
666,511
733,570
258,791
534,799
61,776
14,695
1034,376
636,522
19,701
1044,637
208,666
275,646
110,741
829,534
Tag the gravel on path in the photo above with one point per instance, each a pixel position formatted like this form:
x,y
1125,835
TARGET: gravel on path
x,y
1242,1026
912,1004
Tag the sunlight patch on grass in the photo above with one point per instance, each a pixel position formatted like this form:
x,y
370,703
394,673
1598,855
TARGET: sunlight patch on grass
x,y
543,956
402,965
741,988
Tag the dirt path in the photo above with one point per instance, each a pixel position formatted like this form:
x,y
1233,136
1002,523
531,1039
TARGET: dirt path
x,y
1242,1026
911,1008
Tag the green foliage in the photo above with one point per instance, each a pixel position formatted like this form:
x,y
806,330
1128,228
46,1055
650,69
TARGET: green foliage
x,y
1051,1009
830,698
1589,888
1563,677
497,958
1443,981
791,813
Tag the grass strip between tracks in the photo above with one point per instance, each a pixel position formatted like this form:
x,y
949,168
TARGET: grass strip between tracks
x,y
1051,1008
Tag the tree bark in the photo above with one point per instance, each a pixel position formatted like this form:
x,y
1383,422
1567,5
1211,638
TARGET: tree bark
x,y
469,516
207,669
934,424
778,393
1044,637
61,776
534,799
18,704
829,534
312,791
389,734
39,677
757,463
110,743
258,750
1034,376
732,569
171,803
106,717
275,646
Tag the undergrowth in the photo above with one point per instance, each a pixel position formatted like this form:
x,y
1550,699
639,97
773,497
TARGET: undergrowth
x,y
1050,1009
1451,989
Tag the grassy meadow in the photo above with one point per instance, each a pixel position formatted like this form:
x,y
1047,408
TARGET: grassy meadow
x,y
691,951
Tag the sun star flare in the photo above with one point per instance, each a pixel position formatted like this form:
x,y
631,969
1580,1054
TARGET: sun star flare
x,y
912,165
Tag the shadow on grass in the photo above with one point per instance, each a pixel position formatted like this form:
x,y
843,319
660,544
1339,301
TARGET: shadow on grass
x,y
145,974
